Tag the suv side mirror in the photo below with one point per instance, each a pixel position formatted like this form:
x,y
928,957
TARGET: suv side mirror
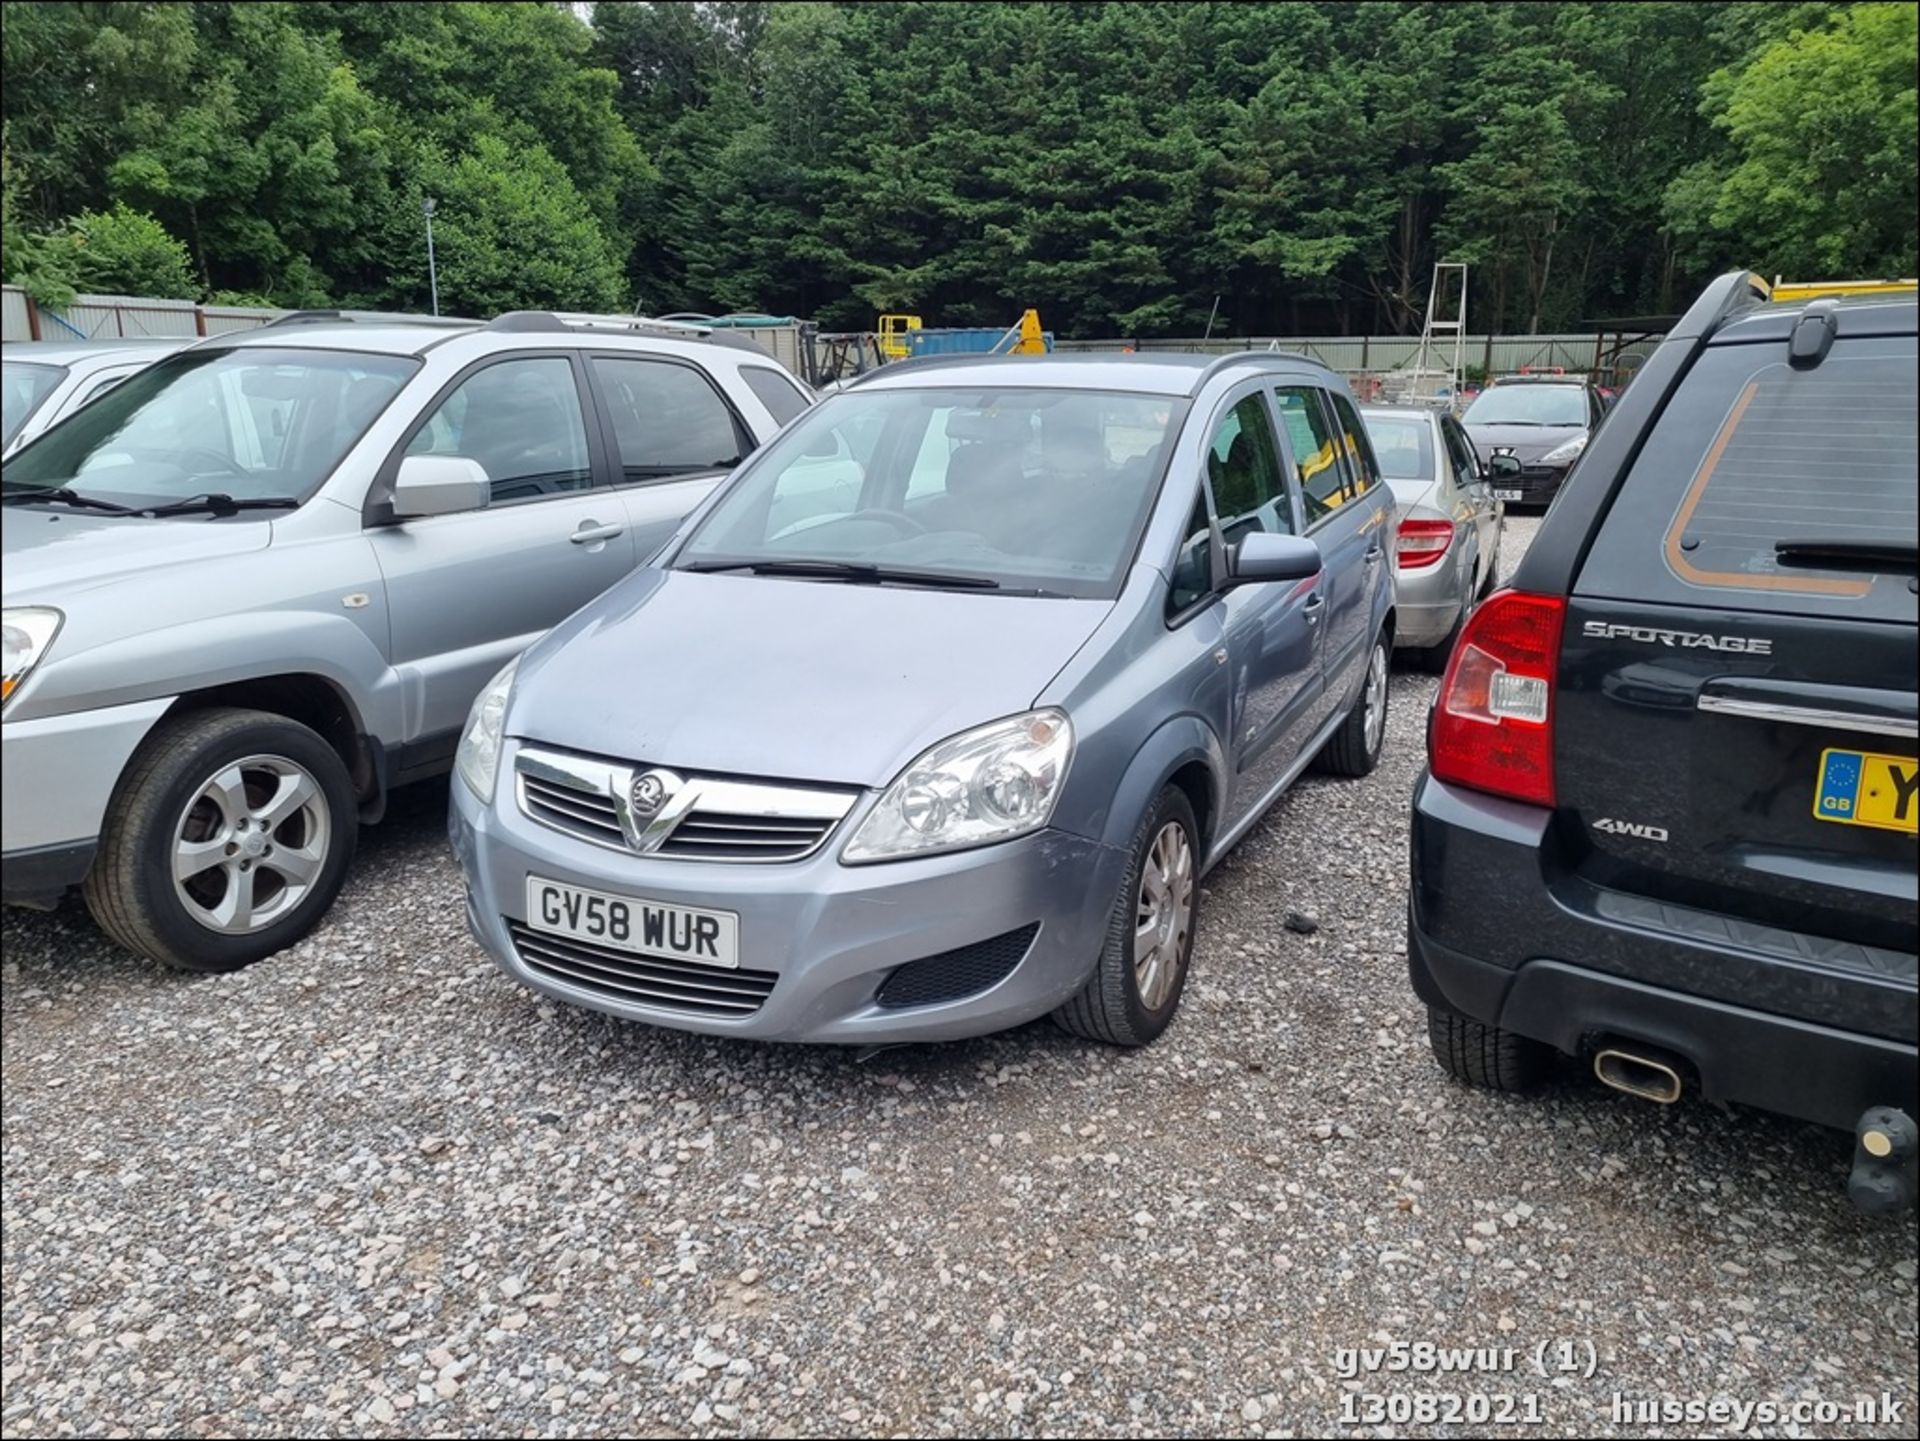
x,y
1263,556
439,485
1503,467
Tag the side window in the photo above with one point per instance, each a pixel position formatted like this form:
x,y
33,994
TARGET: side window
x,y
667,419
521,420
101,387
1249,487
1366,469
1193,566
1465,464
1323,479
781,396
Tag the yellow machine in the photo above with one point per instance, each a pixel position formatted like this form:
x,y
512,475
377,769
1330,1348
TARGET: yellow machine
x,y
1027,336
894,329
1791,290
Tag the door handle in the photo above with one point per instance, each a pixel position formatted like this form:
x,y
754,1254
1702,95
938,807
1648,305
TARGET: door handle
x,y
1315,604
1373,552
592,531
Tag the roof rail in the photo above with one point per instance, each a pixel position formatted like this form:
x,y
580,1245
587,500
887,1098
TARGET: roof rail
x,y
1724,298
365,317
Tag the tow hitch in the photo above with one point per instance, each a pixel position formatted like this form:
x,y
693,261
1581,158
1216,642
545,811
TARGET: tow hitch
x,y
1885,1152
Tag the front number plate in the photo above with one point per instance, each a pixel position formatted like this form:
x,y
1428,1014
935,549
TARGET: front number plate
x,y
1860,788
1507,494
628,923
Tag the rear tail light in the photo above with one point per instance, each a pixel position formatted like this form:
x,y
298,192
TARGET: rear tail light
x,y
1492,726
1422,542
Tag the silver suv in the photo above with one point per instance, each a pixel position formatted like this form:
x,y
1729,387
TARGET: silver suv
x,y
257,585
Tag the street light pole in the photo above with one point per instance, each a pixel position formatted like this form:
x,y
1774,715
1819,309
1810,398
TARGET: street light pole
x,y
433,275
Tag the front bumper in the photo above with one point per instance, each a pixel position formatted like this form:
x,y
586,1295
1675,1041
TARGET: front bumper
x,y
1536,484
57,776
832,934
1501,933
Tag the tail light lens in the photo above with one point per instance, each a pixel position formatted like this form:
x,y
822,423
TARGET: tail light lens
x,y
1422,542
1492,726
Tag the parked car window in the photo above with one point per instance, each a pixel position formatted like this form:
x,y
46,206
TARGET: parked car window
x,y
99,388
1243,466
1031,488
25,386
1323,479
667,418
252,422
521,420
1750,452
1466,465
1193,566
1524,404
1404,445
781,396
1359,445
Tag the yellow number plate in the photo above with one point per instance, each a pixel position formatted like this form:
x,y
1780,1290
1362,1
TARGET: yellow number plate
x,y
1859,788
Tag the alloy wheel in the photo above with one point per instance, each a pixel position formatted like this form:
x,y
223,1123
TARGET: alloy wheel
x,y
1163,916
250,844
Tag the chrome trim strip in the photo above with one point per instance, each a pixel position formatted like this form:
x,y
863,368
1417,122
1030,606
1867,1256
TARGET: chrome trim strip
x,y
1906,727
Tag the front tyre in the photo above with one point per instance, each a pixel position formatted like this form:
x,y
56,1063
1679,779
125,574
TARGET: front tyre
x,y
1135,987
1354,749
227,840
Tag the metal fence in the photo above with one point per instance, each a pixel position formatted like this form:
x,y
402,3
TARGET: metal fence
x,y
1351,354
121,317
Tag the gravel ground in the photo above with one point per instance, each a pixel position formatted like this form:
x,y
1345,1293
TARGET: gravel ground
x,y
371,1186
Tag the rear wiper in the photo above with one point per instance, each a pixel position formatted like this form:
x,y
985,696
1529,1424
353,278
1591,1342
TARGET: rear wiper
x,y
865,572
61,495
1849,552
220,503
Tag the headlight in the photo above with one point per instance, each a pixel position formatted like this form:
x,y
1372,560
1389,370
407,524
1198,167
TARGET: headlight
x,y
25,634
479,755
990,784
1565,454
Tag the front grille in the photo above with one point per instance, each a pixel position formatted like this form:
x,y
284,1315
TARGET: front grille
x,y
707,818
583,813
642,980
726,835
953,974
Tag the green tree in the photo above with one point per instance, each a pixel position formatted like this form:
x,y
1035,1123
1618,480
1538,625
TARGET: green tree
x,y
1821,176
126,252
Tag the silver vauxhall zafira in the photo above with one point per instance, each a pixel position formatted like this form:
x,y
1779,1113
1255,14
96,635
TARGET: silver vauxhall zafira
x,y
929,721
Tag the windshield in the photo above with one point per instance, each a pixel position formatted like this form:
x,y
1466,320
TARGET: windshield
x,y
1403,444
1529,405
252,423
1029,488
26,386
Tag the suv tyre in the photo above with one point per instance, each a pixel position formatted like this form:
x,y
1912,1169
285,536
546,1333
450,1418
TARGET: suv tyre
x,y
228,838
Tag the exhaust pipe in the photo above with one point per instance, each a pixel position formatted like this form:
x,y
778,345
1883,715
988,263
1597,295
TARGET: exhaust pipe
x,y
1638,1074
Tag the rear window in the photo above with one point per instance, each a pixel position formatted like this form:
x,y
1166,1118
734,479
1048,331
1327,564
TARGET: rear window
x,y
1403,444
1751,453
782,398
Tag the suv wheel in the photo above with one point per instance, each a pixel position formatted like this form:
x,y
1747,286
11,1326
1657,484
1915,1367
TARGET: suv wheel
x,y
1136,984
227,840
1354,749
1485,1056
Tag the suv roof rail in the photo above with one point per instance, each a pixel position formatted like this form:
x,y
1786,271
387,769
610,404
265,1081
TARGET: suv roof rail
x,y
365,317
552,321
1724,298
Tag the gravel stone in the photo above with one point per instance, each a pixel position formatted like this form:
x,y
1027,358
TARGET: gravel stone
x,y
221,1216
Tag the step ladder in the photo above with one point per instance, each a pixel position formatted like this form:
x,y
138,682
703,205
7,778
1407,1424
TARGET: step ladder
x,y
1441,360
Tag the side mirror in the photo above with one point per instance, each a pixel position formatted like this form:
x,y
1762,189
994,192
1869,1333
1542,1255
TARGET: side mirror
x,y
1261,556
1503,467
439,485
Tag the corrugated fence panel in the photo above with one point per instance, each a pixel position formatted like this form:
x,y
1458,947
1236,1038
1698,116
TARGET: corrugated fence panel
x,y
1353,353
19,324
116,317
225,319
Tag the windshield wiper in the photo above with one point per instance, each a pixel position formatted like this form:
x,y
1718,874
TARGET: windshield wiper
x,y
61,495
859,571
219,503
1848,552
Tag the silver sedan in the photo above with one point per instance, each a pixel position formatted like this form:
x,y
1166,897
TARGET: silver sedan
x,y
1447,548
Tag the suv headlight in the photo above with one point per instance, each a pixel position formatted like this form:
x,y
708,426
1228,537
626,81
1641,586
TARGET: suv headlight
x,y
1565,454
989,784
25,634
478,758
